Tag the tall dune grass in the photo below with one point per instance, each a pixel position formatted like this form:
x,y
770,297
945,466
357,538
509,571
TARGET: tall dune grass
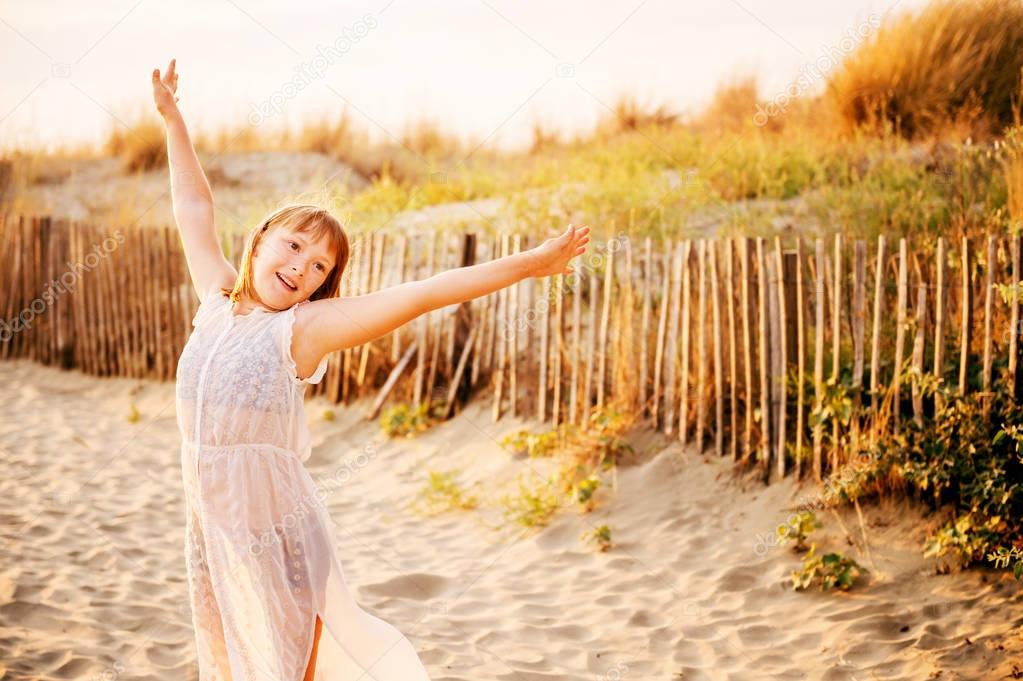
x,y
1012,158
732,106
629,114
140,144
953,67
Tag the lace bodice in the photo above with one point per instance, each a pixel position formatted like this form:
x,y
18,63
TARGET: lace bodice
x,y
250,393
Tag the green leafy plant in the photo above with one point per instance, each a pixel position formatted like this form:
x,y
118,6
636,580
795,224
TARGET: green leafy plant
x,y
965,457
1002,557
599,443
836,405
965,537
605,434
584,491
532,507
798,527
1015,434
404,421
832,570
599,536
580,452
442,492
535,445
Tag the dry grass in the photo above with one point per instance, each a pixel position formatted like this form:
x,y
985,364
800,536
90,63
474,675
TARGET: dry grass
x,y
733,106
628,114
410,158
339,138
238,140
953,68
426,138
1013,168
6,178
141,144
543,138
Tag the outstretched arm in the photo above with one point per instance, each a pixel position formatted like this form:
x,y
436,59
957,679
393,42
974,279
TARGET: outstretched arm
x,y
336,323
190,192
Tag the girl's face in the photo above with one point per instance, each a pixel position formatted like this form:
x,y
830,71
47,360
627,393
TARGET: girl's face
x,y
288,267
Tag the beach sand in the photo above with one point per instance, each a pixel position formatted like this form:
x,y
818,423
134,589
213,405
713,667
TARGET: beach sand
x,y
92,582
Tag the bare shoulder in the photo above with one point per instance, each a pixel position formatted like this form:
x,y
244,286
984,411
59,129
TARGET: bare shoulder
x,y
306,352
313,319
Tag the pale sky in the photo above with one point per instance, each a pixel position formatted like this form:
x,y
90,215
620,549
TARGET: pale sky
x,y
483,68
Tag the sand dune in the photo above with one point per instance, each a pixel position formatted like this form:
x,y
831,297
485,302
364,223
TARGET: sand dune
x,y
241,181
92,584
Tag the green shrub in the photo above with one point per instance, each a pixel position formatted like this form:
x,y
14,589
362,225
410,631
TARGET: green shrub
x,y
831,570
403,420
535,445
798,528
599,536
584,491
531,507
964,457
1003,557
442,492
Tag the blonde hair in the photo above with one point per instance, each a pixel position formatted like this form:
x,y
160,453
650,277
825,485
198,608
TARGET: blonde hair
x,y
305,218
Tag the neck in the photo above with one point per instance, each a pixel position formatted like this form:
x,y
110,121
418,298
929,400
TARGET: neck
x,y
244,306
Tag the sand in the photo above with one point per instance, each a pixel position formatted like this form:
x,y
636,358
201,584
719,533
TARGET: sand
x,y
92,582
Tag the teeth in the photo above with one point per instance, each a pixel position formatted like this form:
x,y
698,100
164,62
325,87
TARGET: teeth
x,y
286,280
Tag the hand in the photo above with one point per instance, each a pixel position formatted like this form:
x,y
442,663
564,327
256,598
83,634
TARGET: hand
x,y
553,255
164,90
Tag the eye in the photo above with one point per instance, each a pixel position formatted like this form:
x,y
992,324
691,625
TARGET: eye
x,y
293,243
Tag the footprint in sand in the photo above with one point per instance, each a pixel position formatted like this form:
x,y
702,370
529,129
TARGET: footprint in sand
x,y
415,586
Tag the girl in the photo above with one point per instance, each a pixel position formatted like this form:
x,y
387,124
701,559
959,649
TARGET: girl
x,y
268,595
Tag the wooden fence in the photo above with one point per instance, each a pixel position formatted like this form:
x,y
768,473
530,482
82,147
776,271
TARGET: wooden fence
x,y
729,342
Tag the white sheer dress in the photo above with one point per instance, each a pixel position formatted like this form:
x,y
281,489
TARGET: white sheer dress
x,y
261,554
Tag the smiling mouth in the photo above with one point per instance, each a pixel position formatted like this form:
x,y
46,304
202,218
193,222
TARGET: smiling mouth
x,y
286,282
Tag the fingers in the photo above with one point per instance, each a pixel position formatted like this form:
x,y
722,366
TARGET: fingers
x,y
581,237
170,77
574,234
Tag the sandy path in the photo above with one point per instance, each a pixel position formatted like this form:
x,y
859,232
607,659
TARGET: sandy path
x,y
92,582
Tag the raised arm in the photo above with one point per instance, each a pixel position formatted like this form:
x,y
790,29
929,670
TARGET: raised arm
x,y
190,193
336,323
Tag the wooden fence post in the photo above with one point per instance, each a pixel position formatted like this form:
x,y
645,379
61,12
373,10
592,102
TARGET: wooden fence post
x,y
965,317
818,356
765,390
900,332
939,319
989,302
